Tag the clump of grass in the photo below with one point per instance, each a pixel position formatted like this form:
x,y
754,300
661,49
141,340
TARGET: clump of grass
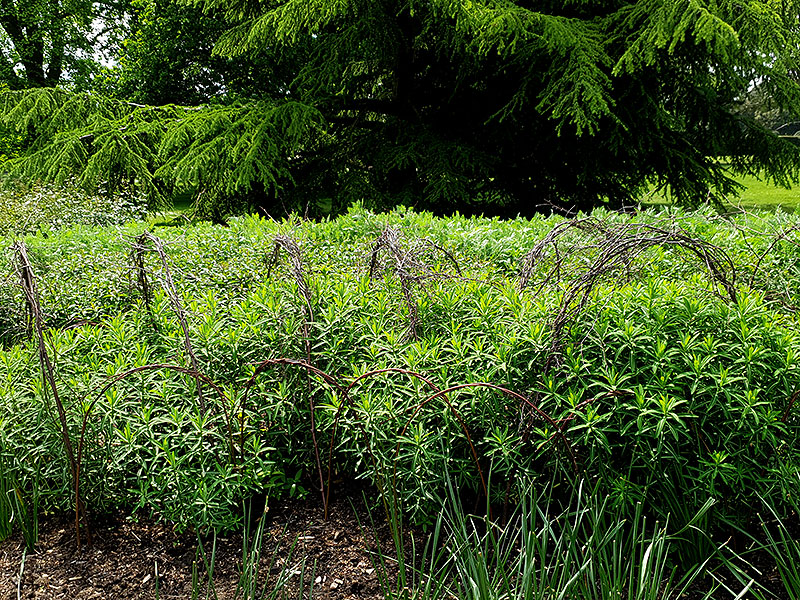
x,y
552,547
262,576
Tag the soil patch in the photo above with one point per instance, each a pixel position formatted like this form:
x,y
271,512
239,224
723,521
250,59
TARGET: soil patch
x,y
140,559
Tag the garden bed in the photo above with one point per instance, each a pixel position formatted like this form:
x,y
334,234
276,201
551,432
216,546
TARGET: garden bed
x,y
624,386
141,559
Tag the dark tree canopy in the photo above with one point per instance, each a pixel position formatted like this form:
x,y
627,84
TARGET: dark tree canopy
x,y
488,105
168,58
42,42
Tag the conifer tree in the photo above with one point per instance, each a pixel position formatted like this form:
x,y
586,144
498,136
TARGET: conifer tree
x,y
492,105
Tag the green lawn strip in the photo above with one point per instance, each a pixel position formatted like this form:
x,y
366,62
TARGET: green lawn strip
x,y
757,194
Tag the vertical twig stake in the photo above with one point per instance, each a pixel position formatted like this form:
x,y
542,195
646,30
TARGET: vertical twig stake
x,y
28,281
288,245
148,242
409,266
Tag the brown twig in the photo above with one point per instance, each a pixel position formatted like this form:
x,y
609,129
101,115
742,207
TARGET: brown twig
x,y
408,267
389,240
137,257
557,430
149,242
346,403
310,369
290,247
611,248
28,281
778,238
792,402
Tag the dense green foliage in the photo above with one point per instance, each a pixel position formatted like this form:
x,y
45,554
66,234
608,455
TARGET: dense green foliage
x,y
45,208
45,42
218,150
663,390
498,106
168,59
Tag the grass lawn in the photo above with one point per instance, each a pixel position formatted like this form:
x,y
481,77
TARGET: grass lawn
x,y
758,194
181,205
764,195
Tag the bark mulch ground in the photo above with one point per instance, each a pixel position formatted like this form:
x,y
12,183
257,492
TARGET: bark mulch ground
x,y
145,560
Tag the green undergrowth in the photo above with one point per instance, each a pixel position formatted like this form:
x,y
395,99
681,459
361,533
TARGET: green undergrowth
x,y
45,208
664,384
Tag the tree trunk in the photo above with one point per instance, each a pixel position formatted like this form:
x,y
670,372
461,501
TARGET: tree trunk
x,y
28,41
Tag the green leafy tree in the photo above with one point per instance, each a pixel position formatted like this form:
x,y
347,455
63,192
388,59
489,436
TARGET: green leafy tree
x,y
168,58
493,105
43,41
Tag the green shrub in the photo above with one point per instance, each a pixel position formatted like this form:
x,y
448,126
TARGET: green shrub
x,y
674,397
26,210
659,390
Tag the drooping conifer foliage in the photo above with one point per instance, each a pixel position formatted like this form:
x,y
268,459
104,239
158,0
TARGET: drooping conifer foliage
x,y
493,105
219,150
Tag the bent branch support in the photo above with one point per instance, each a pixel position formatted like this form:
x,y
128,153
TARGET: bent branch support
x,y
28,281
